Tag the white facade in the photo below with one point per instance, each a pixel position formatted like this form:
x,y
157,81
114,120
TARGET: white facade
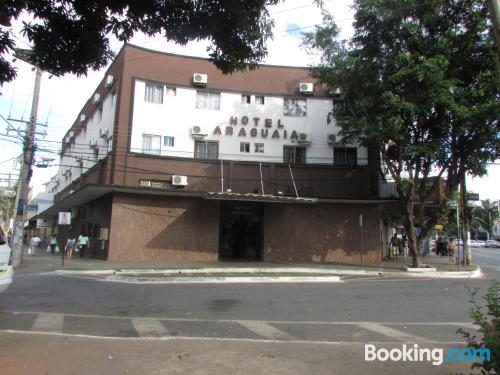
x,y
89,145
176,114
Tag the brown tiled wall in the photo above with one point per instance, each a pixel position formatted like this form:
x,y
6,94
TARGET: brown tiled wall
x,y
320,233
163,229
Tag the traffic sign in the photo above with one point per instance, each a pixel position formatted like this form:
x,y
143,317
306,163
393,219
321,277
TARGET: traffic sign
x,y
472,196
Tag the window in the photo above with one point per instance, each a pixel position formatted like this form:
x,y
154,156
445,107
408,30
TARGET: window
x,y
259,99
110,144
157,184
144,183
113,98
168,141
246,99
99,113
207,100
151,144
295,107
244,147
170,91
294,155
345,156
153,93
259,147
206,150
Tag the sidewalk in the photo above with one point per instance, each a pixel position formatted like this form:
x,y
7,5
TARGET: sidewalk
x,y
44,263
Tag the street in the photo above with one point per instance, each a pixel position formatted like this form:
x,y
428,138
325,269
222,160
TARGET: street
x,y
247,328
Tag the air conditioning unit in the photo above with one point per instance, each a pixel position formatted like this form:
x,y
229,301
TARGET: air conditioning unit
x,y
103,133
200,79
179,180
331,138
109,80
197,132
93,145
304,138
82,119
336,92
306,88
96,98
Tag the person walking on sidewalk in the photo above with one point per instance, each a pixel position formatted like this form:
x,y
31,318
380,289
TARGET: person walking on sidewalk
x,y
70,246
53,243
34,244
452,247
83,242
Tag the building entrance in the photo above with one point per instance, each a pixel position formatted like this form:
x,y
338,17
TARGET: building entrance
x,y
241,231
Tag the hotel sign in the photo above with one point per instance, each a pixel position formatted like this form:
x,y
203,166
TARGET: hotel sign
x,y
250,127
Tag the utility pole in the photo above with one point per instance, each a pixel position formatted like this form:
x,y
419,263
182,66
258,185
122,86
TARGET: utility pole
x,y
26,171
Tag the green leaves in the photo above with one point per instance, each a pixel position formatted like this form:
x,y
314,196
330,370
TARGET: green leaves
x,y
73,36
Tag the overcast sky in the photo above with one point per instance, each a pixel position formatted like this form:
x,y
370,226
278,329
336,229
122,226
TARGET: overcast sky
x,y
61,98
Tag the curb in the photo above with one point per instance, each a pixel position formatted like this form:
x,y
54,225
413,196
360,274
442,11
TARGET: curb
x,y
168,272
234,279
450,274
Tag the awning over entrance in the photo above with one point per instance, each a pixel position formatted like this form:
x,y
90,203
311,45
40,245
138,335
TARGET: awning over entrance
x,y
258,198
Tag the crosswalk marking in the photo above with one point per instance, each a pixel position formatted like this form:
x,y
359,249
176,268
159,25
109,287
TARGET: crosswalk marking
x,y
393,333
149,327
265,330
48,322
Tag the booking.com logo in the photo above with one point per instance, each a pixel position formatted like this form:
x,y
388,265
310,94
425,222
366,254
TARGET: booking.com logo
x,y
413,353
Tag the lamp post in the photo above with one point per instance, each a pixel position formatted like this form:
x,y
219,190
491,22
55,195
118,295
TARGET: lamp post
x,y
27,161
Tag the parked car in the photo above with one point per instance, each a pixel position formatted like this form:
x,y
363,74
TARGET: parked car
x,y
492,243
476,243
5,263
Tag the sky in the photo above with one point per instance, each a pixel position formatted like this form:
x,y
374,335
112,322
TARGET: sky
x,y
61,98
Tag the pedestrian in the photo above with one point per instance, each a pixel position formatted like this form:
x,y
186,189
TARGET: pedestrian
x,y
452,247
404,242
83,242
439,246
53,243
394,246
34,244
70,246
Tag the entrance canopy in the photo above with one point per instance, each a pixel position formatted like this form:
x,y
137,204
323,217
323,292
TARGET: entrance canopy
x,y
258,198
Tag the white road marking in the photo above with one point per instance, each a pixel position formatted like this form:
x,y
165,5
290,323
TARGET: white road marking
x,y
265,330
393,333
313,322
48,322
229,339
149,327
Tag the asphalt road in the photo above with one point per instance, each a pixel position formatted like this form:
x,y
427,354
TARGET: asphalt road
x,y
486,258
251,323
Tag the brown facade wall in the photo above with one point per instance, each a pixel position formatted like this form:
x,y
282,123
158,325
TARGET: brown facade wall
x,y
320,233
148,228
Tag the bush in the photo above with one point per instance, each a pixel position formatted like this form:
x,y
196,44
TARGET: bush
x,y
489,327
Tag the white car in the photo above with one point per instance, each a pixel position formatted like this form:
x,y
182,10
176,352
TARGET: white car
x,y
492,243
6,271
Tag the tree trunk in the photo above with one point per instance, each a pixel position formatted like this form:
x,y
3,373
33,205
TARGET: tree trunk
x,y
412,237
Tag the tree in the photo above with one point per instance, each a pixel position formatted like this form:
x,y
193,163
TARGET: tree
x,y
420,83
72,36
